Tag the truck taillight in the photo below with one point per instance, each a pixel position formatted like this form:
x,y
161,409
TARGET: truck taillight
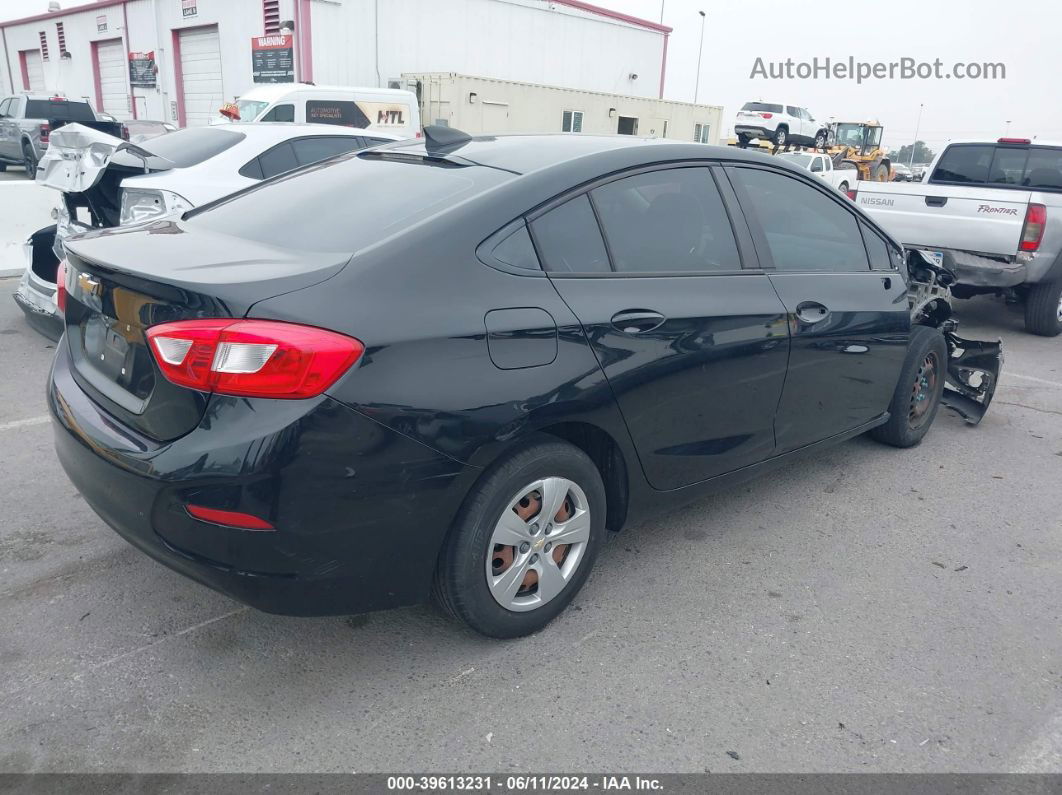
x,y
851,194
46,131
1033,232
252,358
60,286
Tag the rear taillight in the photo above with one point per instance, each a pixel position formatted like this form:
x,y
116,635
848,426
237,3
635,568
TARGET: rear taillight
x,y
46,132
851,194
1033,232
252,358
60,286
767,115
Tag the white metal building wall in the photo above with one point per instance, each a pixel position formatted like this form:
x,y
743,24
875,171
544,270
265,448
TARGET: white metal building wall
x,y
204,91
114,89
526,40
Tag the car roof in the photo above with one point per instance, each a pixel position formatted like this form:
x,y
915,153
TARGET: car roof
x,y
260,131
274,92
521,154
1032,142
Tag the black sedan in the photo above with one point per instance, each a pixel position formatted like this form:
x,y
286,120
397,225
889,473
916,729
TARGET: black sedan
x,y
451,366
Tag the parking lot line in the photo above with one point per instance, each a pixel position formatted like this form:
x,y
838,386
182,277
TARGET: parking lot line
x,y
1034,378
15,424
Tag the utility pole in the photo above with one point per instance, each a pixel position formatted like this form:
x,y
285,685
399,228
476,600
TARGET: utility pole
x,y
700,52
918,124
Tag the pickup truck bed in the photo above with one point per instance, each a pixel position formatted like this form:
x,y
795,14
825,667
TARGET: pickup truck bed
x,y
27,122
991,212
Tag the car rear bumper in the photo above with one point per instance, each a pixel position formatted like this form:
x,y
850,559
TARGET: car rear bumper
x,y
38,304
754,132
360,511
974,270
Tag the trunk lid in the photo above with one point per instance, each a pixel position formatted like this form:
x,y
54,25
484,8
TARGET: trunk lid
x,y
120,282
88,166
977,219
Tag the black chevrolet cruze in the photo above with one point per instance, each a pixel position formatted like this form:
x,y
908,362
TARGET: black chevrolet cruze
x,y
450,367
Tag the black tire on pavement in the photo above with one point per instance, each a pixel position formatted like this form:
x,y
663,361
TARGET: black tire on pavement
x,y
29,161
1043,309
916,400
460,586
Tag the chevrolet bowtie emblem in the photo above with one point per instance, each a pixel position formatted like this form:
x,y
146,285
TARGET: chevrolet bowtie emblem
x,y
88,284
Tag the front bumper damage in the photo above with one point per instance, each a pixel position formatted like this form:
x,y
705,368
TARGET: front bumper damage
x,y
973,372
973,365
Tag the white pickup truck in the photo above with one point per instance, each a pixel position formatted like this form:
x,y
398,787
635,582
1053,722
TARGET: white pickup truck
x,y
844,177
991,212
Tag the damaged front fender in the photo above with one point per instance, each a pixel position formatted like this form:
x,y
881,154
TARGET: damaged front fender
x,y
973,372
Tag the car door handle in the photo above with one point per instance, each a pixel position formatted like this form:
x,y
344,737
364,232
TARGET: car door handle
x,y
637,321
811,312
936,201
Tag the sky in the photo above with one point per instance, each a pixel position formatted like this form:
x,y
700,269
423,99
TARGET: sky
x,y
737,32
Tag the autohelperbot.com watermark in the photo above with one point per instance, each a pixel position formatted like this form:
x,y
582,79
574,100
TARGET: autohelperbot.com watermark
x,y
861,71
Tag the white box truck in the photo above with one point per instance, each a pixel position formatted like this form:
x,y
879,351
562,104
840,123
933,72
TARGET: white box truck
x,y
485,105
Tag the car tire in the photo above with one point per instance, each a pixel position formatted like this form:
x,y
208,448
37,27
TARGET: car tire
x,y
471,575
781,135
743,141
29,161
1043,309
820,140
916,400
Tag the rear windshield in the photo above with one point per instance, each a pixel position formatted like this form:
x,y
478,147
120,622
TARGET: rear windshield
x,y
1032,167
192,146
345,204
762,107
61,110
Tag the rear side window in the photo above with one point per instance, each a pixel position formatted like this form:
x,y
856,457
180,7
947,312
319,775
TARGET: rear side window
x,y
569,239
278,160
517,251
59,111
314,150
280,113
345,114
805,229
5,108
792,111
762,107
326,208
667,220
878,250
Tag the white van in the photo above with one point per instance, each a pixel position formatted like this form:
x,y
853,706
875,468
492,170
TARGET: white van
x,y
387,110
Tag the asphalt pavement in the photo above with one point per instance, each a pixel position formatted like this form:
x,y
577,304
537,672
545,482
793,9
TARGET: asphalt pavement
x,y
868,610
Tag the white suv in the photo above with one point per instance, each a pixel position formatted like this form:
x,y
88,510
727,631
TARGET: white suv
x,y
779,124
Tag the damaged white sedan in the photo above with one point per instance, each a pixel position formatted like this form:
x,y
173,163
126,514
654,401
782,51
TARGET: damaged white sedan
x,y
104,181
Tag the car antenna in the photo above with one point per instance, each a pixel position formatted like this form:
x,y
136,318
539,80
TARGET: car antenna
x,y
438,138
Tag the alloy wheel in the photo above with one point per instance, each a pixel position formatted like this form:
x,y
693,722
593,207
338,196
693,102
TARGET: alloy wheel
x,y
538,543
